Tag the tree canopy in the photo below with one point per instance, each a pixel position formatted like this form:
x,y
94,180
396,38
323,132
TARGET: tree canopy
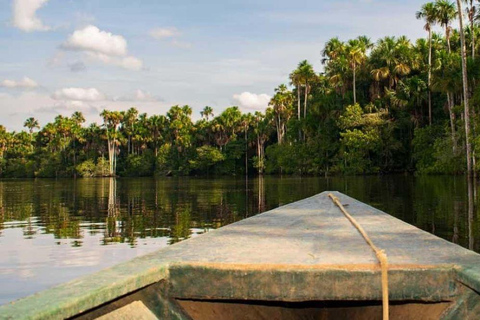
x,y
375,107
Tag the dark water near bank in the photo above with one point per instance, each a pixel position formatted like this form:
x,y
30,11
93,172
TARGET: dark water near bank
x,y
52,231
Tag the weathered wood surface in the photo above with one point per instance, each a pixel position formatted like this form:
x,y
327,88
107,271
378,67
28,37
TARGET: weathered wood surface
x,y
304,251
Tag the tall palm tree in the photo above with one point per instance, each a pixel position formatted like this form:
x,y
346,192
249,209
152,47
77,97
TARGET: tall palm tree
x,y
465,90
307,76
296,80
281,103
112,120
392,59
156,124
471,13
446,71
128,124
336,64
261,128
428,13
31,123
334,48
181,126
207,112
445,14
246,120
78,117
356,51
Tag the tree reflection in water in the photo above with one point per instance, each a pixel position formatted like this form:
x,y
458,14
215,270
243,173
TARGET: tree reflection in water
x,y
126,210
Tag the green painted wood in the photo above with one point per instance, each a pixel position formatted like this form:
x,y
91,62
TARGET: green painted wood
x,y
296,285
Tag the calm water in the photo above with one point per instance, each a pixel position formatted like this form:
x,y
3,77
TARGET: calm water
x,y
52,231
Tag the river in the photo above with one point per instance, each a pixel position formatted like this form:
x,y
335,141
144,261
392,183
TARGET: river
x,y
52,231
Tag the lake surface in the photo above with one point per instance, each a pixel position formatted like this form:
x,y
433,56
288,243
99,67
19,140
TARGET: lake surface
x,y
52,231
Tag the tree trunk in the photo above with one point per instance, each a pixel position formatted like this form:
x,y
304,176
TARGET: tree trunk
x,y
246,151
465,91
473,39
429,76
299,112
110,156
447,36
452,121
354,84
305,107
471,17
278,126
305,103
298,99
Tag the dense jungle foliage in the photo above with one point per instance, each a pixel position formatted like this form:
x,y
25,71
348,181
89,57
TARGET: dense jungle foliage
x,y
389,106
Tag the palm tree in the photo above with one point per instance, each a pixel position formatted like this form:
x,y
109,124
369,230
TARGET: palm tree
x,y
128,124
392,59
112,120
78,117
445,14
246,120
307,76
296,80
429,14
156,125
356,54
471,13
336,63
465,89
446,71
261,128
334,48
226,126
181,126
31,123
207,112
281,103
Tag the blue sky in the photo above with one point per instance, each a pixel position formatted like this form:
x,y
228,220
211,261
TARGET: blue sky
x,y
59,56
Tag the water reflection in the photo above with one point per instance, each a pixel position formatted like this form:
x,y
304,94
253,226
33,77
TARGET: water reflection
x,y
54,230
471,209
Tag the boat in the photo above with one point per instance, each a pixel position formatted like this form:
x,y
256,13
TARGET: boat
x,y
304,260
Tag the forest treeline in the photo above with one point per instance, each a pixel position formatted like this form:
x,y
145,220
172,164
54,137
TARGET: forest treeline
x,y
390,106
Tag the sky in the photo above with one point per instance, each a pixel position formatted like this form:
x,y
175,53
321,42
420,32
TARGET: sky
x,y
61,56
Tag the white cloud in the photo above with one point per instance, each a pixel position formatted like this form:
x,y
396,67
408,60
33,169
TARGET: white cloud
x,y
170,33
25,83
139,96
252,101
163,33
129,62
24,17
63,107
102,46
78,94
143,96
95,40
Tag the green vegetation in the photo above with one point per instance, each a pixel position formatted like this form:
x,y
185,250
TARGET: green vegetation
x,y
381,107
